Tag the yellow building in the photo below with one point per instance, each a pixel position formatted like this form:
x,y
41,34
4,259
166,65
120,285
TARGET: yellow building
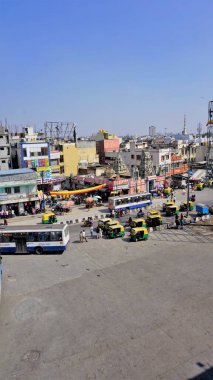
x,y
72,155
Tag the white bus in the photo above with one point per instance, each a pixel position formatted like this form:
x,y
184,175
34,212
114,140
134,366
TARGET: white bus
x,y
34,239
130,201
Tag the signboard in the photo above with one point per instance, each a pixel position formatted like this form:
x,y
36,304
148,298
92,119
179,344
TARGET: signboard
x,y
45,174
3,197
43,169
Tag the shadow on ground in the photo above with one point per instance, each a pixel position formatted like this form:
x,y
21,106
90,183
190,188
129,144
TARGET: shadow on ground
x,y
206,375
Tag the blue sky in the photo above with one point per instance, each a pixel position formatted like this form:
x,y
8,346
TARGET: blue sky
x,y
121,65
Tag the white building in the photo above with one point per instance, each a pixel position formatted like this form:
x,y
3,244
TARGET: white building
x,y
4,149
132,156
161,160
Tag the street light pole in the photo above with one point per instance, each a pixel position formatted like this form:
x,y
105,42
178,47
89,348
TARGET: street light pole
x,y
187,213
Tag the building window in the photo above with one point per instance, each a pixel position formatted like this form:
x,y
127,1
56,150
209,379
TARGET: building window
x,y
132,156
44,151
162,158
32,154
3,162
17,190
2,148
138,157
25,152
8,190
167,157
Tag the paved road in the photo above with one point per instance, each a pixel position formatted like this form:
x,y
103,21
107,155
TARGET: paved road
x,y
110,310
205,196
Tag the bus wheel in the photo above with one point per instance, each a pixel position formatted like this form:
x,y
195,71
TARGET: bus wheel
x,y
39,250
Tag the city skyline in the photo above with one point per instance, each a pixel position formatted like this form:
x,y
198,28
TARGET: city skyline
x,y
117,65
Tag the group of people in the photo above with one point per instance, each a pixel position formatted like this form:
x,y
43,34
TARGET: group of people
x,y
82,236
5,214
99,234
179,222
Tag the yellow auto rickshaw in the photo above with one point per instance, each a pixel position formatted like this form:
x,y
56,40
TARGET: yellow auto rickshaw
x,y
183,206
167,204
112,223
115,231
154,212
139,222
172,210
102,223
199,186
167,191
154,220
49,218
139,233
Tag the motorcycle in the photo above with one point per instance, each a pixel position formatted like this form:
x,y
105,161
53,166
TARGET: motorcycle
x,y
88,223
140,214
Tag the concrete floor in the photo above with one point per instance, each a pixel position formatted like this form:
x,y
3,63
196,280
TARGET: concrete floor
x,y
110,310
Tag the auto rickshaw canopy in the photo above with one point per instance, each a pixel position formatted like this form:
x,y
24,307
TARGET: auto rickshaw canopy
x,y
167,204
112,223
139,222
167,190
172,209
153,213
46,218
136,230
185,204
199,186
104,221
154,217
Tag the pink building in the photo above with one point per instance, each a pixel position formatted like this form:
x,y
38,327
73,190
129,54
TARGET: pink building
x,y
103,146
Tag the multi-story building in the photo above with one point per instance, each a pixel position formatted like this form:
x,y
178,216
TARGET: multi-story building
x,y
18,190
74,156
36,156
161,158
132,156
107,145
4,149
152,130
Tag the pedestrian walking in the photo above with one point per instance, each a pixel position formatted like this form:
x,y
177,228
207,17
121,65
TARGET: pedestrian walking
x,y
84,236
5,222
98,232
181,221
91,231
177,222
81,237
